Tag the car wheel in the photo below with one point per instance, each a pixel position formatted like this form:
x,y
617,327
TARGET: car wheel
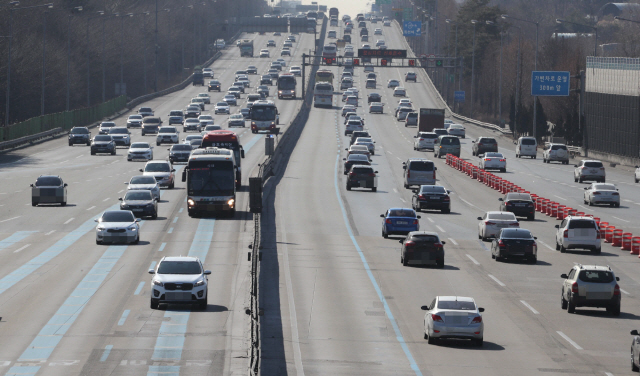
x,y
430,339
155,215
557,246
348,187
562,249
153,304
479,342
580,180
204,303
503,170
63,203
374,189
563,302
571,306
98,242
440,264
70,144
34,203
445,211
385,235
575,179
597,251
113,152
531,217
634,367
425,336
93,153
533,260
172,185
137,240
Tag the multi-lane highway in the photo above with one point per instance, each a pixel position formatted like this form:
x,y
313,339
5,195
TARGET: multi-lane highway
x,y
71,307
344,303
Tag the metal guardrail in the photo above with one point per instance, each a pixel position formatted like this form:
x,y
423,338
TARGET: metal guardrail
x,y
29,139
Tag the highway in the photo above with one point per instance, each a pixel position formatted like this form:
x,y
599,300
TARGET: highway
x,y
344,303
71,307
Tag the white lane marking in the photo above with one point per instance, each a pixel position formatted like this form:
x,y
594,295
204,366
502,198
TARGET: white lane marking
x,y
468,203
620,219
93,207
68,221
569,340
431,220
546,245
10,219
474,260
482,245
389,152
624,292
120,191
453,241
608,373
625,200
50,232
497,280
403,200
21,248
79,156
440,228
530,307
585,208
561,198
395,190
106,199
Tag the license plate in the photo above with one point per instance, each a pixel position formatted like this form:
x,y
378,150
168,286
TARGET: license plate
x,y
402,222
521,205
363,183
593,171
501,225
136,210
435,198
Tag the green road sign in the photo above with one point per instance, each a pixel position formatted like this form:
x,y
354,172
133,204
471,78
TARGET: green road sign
x,y
439,62
407,13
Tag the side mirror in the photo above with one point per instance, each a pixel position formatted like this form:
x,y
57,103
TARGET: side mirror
x,y
443,242
376,172
184,175
535,237
344,159
479,218
381,215
155,199
207,272
95,220
585,188
65,185
414,190
138,219
31,185
563,276
346,149
634,332
167,149
557,226
617,278
500,199
126,182
242,153
151,271
141,170
435,168
119,198
173,170
480,309
401,241
473,142
448,191
417,216
637,167
575,165
424,308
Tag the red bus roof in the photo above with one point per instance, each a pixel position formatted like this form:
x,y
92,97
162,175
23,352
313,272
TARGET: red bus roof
x,y
221,135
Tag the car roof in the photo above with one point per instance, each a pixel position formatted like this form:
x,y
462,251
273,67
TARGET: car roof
x,y
431,233
179,258
593,267
579,217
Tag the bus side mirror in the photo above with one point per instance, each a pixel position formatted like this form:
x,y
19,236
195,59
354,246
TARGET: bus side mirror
x,y
242,153
184,175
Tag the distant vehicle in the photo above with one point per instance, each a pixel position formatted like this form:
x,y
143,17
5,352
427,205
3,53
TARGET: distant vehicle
x,y
422,248
145,111
324,75
286,86
103,143
150,125
323,94
112,220
493,161
589,170
602,193
134,121
264,116
49,189
399,221
141,203
207,72
492,222
198,78
593,286
79,135
246,47
362,177
557,152
214,85
430,119
140,150
181,271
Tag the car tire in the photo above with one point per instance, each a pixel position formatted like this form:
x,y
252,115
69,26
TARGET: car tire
x,y
113,152
137,240
533,260
348,187
425,336
172,185
634,368
575,179
440,264
445,211
70,143
93,152
562,249
597,251
580,180
571,306
155,215
204,303
63,203
34,203
563,302
374,189
431,340
98,242
385,235
557,246
479,342
531,218
503,170
153,304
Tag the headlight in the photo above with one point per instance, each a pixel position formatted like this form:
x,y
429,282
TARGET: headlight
x,y
157,283
231,202
100,228
149,205
190,202
132,228
199,283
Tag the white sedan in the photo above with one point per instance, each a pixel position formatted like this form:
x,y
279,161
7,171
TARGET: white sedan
x,y
491,223
399,92
347,108
601,193
140,150
117,226
493,161
221,108
376,107
456,130
393,83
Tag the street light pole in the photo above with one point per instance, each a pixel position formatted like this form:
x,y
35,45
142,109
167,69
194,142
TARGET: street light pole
x,y
595,48
69,56
100,13
500,79
473,62
155,82
44,59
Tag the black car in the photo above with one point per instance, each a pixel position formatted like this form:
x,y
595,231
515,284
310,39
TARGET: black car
x,y
252,70
357,134
103,143
79,135
179,153
362,176
483,145
141,202
266,80
214,85
423,248
520,204
192,111
431,197
355,159
515,243
374,97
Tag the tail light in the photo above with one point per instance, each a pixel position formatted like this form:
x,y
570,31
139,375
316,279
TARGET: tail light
x,y
352,174
503,160
408,173
415,222
422,139
446,198
434,174
508,203
596,193
597,233
602,168
487,159
409,243
388,221
476,320
574,287
372,174
516,224
421,197
436,318
534,246
501,244
615,194
616,290
487,223
438,247
565,234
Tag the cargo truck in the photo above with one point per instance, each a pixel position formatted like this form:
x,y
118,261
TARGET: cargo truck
x,y
430,118
198,76
246,47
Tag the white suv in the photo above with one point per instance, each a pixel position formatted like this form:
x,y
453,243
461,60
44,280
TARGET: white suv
x,y
556,152
424,140
578,233
167,134
179,280
591,286
589,170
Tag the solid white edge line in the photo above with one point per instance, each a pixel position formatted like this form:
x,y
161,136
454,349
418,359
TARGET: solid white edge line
x,y
474,260
530,307
497,280
569,340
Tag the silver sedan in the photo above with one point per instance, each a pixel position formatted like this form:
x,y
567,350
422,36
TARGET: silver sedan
x,y
601,193
454,317
493,161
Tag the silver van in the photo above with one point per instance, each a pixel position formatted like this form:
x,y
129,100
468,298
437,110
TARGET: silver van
x,y
419,171
526,146
446,145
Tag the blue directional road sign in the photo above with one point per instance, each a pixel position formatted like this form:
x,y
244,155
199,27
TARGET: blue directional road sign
x,y
550,83
412,28
458,96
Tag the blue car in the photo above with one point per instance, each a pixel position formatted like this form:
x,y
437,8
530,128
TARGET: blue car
x,y
399,221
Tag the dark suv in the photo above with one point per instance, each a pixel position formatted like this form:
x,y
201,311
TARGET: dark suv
x,y
79,135
357,134
591,286
520,204
431,197
483,145
361,176
422,247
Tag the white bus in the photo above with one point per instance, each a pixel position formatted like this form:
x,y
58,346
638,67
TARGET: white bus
x,y
323,94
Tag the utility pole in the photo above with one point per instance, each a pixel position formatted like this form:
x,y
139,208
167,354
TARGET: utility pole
x,y
155,83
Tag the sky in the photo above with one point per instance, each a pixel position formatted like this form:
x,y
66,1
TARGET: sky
x,y
350,7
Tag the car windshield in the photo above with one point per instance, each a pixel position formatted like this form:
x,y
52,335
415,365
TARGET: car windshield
x,y
157,167
143,180
206,117
139,195
193,137
145,109
432,189
118,131
140,145
593,164
596,276
179,267
402,213
425,238
48,181
214,82
456,305
135,117
222,104
362,170
421,166
428,135
117,216
515,234
237,117
80,131
504,216
582,223
102,138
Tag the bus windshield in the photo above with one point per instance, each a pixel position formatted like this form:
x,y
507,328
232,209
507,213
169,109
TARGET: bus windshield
x,y
324,75
286,83
324,87
263,113
208,178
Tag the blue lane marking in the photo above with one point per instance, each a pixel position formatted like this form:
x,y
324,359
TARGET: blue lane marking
x,y
175,219
387,310
153,265
61,245
15,238
250,144
106,352
52,333
140,286
171,337
162,247
170,230
180,211
123,319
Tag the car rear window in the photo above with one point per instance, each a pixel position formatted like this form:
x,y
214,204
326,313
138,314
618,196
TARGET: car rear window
x,y
487,140
519,196
593,164
425,238
581,223
506,216
421,166
528,141
402,213
80,131
181,147
362,170
456,305
558,147
596,276
428,135
432,189
440,132
605,187
48,181
516,234
450,141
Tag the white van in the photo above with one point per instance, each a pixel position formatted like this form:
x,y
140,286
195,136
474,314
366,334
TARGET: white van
x,y
526,146
419,171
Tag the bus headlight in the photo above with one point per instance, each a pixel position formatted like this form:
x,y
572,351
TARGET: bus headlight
x,y
191,203
231,202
